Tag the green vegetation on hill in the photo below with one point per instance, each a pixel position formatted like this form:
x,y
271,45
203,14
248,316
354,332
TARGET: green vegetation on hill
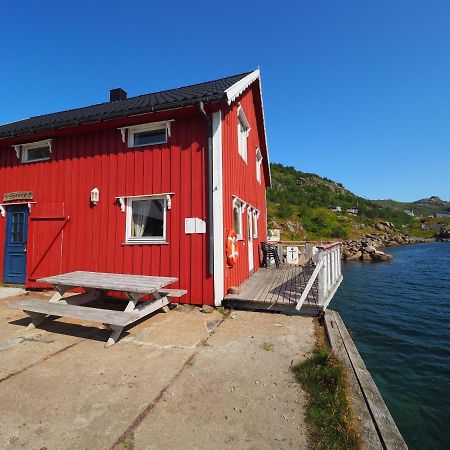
x,y
424,207
299,203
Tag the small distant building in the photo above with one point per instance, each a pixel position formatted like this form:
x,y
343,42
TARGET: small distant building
x,y
432,226
335,208
409,213
443,214
354,211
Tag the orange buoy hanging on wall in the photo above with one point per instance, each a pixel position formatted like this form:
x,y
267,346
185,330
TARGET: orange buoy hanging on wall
x,y
232,250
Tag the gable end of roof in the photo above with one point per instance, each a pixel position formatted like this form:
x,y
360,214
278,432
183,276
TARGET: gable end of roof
x,y
234,91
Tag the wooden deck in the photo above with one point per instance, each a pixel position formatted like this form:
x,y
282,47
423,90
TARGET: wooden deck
x,y
277,289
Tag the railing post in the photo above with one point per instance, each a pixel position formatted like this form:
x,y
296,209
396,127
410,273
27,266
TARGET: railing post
x,y
322,276
308,251
280,252
335,266
329,267
339,262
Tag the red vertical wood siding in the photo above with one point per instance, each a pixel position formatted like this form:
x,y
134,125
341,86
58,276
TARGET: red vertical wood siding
x,y
93,239
94,156
239,178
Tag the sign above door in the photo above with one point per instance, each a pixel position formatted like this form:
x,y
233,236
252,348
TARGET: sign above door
x,y
20,195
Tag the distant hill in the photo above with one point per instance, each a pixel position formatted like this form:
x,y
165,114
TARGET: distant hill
x,y
299,203
421,208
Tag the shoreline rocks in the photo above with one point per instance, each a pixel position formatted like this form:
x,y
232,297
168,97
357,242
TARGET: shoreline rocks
x,y
443,236
368,247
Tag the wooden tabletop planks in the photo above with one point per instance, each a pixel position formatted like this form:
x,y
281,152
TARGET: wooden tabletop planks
x,y
110,281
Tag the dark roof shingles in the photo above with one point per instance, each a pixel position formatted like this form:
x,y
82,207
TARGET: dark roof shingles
x,y
184,96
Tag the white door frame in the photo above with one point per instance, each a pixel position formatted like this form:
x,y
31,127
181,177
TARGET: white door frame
x,y
251,262
217,193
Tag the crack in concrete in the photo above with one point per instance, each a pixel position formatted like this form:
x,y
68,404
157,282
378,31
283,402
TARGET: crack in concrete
x,y
45,358
38,362
128,434
12,342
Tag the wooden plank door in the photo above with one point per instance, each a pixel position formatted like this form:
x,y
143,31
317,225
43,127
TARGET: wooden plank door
x,y
15,261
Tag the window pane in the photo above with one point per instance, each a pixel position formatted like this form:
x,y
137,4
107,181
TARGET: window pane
x,y
150,137
237,220
17,222
147,218
242,140
20,233
34,154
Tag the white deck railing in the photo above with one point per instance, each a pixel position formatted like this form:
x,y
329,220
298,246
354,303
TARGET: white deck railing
x,y
328,271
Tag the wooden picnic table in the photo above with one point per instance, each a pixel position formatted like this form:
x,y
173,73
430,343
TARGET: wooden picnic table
x,y
96,285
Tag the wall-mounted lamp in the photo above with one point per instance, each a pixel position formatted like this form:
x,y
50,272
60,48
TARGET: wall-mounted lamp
x,y
95,196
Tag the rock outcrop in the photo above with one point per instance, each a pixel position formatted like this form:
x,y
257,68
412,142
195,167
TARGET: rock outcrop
x,y
443,236
367,248
385,226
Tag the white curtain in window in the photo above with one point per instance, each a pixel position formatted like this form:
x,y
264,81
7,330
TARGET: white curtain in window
x,y
141,209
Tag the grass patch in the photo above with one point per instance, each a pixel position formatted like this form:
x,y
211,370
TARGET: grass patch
x,y
222,310
329,415
268,347
127,444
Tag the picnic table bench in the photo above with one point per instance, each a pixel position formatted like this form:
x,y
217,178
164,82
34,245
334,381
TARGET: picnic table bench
x,y
96,285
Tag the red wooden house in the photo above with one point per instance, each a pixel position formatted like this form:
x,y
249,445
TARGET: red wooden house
x,y
146,185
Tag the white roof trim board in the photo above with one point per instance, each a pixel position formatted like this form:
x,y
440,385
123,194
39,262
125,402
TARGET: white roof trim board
x,y
234,91
264,126
238,88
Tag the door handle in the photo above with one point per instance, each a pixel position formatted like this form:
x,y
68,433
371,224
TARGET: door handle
x,y
25,249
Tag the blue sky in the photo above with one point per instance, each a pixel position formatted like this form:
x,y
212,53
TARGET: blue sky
x,y
358,91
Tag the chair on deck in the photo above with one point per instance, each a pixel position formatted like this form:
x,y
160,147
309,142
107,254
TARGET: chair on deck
x,y
269,251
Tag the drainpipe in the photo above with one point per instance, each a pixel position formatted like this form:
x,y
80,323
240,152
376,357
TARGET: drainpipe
x,y
209,169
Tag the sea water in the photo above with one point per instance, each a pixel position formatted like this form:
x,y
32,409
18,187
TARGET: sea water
x,y
398,314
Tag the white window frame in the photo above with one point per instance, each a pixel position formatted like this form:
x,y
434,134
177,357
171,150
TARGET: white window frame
x,y
142,128
259,159
22,150
129,213
242,136
239,205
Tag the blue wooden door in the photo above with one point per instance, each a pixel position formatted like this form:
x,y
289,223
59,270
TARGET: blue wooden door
x,y
15,264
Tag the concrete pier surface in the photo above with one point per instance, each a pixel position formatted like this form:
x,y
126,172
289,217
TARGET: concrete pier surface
x,y
184,379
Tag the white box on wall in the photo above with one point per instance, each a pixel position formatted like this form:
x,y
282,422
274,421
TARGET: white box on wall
x,y
200,226
189,225
194,225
